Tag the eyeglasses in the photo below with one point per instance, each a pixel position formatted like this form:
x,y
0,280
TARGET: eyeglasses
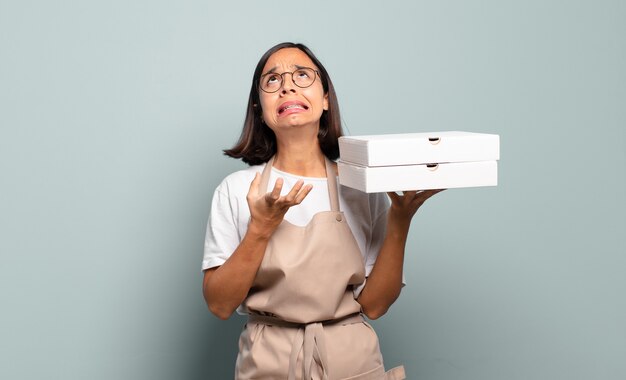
x,y
302,77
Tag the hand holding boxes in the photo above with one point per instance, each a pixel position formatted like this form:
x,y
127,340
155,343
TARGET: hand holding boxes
x,y
418,161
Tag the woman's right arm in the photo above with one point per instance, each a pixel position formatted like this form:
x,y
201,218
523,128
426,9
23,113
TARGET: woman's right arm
x,y
225,287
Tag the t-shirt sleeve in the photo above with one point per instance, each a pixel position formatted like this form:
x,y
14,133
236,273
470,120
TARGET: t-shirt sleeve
x,y
222,235
379,204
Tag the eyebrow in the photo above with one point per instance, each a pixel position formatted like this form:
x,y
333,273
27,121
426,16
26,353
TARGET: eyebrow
x,y
298,67
273,69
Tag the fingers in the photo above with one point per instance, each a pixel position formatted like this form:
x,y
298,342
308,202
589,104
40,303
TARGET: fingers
x,y
295,196
254,188
274,195
298,193
424,195
254,185
394,196
302,194
412,196
291,195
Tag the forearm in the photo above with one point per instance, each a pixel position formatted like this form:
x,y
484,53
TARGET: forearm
x,y
226,287
385,280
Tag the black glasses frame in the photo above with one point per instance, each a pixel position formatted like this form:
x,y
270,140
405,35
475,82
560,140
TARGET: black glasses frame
x,y
282,79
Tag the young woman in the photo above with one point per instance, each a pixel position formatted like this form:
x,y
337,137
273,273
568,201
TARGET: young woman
x,y
302,256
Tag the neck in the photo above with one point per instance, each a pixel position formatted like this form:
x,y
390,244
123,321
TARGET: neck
x,y
301,158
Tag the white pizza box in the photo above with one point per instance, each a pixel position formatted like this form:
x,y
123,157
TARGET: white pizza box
x,y
419,148
418,177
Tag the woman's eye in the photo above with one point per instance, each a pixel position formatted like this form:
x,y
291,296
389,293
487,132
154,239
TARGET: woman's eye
x,y
272,79
302,74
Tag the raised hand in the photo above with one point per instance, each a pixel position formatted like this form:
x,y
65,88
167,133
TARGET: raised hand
x,y
406,205
268,210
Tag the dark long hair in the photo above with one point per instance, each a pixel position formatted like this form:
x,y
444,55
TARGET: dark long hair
x,y
257,143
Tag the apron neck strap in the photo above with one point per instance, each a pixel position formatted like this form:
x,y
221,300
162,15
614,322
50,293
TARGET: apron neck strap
x,y
330,180
332,185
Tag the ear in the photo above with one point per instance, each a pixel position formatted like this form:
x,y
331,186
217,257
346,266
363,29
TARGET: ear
x,y
325,102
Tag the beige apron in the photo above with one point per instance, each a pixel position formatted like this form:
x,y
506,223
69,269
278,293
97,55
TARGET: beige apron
x,y
305,323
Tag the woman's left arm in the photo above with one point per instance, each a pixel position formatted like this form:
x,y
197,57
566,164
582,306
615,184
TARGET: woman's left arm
x,y
385,280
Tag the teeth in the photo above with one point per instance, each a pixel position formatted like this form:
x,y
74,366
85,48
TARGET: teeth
x,y
292,106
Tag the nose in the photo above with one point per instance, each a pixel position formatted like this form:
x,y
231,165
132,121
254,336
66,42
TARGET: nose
x,y
288,85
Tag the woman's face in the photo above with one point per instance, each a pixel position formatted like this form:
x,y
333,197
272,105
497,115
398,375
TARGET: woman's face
x,y
292,106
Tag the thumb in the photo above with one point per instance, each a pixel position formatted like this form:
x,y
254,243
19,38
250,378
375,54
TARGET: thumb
x,y
394,196
254,185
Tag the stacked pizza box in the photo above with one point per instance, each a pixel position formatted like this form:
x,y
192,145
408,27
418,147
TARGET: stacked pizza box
x,y
418,161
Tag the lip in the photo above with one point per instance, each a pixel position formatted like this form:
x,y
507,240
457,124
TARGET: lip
x,y
290,107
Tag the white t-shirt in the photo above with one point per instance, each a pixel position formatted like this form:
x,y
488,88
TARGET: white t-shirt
x,y
230,214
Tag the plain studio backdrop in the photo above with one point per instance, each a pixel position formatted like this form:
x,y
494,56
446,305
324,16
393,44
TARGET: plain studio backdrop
x,y
113,115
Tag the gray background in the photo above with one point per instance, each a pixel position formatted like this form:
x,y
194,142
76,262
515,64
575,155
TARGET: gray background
x,y
113,115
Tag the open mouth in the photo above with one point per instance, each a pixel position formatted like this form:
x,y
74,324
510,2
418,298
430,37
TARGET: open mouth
x,y
292,106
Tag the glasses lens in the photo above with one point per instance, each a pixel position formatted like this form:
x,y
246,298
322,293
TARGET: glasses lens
x,y
271,82
303,77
